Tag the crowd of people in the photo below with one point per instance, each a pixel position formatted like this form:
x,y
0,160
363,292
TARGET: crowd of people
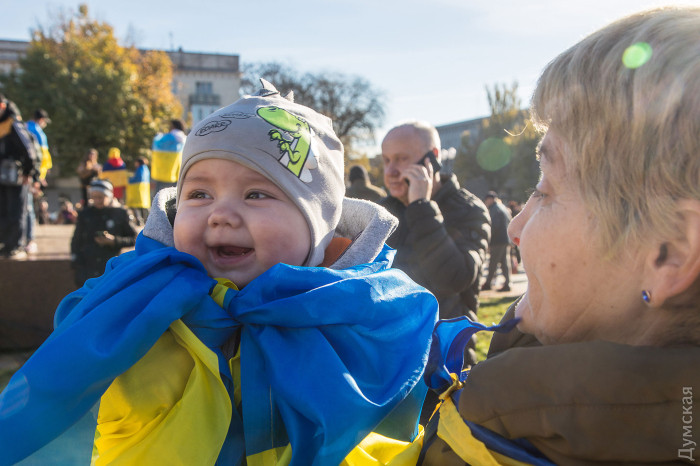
x,y
114,202
272,313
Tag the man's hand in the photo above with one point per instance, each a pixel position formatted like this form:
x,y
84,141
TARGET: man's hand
x,y
105,239
420,181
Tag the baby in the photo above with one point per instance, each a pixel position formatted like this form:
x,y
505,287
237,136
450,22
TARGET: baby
x,y
258,319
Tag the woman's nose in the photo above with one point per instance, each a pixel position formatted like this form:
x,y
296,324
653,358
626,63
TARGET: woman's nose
x,y
515,227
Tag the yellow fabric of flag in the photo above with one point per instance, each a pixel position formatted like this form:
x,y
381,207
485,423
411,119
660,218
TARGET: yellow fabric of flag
x,y
118,178
170,408
165,166
138,195
378,450
46,162
453,430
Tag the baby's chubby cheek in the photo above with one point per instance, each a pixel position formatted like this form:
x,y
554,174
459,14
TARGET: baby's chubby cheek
x,y
181,240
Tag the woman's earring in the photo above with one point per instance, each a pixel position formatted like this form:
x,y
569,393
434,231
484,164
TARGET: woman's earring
x,y
646,296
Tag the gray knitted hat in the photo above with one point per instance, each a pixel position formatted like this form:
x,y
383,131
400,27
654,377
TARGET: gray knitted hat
x,y
290,144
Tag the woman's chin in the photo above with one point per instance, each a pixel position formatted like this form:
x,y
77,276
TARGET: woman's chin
x,y
522,306
522,312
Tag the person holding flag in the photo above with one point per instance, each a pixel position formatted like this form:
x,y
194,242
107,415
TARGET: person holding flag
x,y
114,171
167,155
138,191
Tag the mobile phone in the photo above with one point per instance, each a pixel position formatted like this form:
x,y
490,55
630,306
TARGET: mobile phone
x,y
433,161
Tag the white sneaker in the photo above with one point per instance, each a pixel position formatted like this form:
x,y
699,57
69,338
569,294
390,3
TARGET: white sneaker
x,y
17,254
32,247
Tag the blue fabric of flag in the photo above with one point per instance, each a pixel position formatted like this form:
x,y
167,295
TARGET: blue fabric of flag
x,y
450,338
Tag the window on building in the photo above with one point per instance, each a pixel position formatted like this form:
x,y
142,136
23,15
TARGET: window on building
x,y
204,87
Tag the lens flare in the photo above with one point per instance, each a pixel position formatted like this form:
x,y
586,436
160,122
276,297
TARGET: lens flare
x,y
636,55
493,154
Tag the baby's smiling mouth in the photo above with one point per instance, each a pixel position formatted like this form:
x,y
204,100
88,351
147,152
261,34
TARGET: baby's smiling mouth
x,y
232,251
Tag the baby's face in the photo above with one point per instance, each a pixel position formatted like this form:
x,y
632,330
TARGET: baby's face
x,y
237,222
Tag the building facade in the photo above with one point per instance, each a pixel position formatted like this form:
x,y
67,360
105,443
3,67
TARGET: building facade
x,y
451,134
10,53
205,82
202,82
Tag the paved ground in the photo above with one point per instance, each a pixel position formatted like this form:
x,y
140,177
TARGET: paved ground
x,y
53,242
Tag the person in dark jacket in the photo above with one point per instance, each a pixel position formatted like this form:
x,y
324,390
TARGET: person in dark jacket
x,y
499,247
361,187
18,168
443,230
103,229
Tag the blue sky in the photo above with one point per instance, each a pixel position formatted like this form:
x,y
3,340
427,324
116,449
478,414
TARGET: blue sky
x,y
431,58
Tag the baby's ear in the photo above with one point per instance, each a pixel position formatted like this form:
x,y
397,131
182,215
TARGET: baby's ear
x,y
675,264
171,210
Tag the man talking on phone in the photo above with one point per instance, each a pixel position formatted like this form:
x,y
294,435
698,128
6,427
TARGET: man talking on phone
x,y
444,230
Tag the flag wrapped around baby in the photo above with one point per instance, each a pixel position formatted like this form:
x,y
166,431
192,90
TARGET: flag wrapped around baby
x,y
166,157
325,356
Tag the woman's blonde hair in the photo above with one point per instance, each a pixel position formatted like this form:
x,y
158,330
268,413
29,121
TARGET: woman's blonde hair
x,y
626,101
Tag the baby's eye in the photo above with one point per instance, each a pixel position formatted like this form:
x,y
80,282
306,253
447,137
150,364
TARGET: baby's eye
x,y
197,195
256,195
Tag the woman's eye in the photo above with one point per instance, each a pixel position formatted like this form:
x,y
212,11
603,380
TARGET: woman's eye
x,y
538,195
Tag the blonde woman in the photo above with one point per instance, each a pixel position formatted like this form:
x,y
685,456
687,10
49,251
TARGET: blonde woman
x,y
604,365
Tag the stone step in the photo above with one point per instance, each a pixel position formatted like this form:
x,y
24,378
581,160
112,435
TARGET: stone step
x,y
32,288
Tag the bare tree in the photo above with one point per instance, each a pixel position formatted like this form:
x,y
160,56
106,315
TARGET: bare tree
x,y
356,108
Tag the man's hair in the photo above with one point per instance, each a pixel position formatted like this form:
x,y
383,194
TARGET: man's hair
x,y
10,111
424,130
40,113
177,124
630,127
357,172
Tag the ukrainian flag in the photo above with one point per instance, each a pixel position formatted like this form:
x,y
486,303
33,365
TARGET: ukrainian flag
x,y
329,360
166,158
114,171
138,191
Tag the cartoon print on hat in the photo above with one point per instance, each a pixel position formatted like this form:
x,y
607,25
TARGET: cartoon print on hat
x,y
293,136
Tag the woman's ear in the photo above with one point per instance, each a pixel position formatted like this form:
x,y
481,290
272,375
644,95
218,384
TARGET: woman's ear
x,y
675,264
